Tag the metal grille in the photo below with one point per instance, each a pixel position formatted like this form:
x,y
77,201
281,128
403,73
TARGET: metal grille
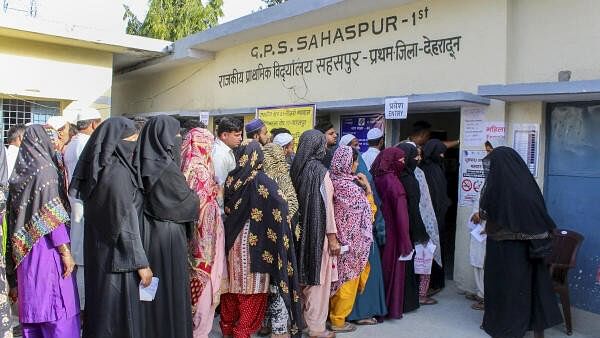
x,y
16,111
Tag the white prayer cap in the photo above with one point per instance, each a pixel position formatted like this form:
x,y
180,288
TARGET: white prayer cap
x,y
346,139
56,122
88,114
283,139
374,134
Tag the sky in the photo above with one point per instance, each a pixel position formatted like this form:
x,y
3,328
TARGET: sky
x,y
233,9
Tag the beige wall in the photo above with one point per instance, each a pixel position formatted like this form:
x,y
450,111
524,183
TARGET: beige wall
x,y
481,25
547,36
49,71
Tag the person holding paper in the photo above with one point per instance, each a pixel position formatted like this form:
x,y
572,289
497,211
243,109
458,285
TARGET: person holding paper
x,y
319,247
519,295
106,182
414,295
354,220
170,210
38,232
208,266
386,170
433,167
477,246
259,246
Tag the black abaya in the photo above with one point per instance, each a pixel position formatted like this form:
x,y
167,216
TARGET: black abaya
x,y
170,313
518,291
170,208
106,182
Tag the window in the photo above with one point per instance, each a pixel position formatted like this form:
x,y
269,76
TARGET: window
x,y
16,111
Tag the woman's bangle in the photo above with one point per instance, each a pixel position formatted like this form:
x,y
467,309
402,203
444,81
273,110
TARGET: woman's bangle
x,y
64,250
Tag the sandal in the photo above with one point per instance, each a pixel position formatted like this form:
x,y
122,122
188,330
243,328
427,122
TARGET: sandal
x,y
478,306
326,334
367,321
427,301
348,327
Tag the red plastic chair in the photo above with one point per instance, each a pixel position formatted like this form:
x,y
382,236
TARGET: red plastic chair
x,y
565,245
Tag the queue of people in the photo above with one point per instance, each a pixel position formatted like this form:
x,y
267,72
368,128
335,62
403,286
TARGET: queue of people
x,y
147,229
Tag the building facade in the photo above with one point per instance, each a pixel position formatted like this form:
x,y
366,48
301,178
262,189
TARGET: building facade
x,y
469,67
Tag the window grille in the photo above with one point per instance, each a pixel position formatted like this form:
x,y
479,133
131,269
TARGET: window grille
x,y
16,111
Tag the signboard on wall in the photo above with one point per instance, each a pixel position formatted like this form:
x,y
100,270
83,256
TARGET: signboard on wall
x,y
396,108
297,119
359,125
472,176
526,143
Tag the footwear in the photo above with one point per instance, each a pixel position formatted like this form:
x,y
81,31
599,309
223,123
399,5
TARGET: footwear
x,y
348,327
478,306
326,334
427,301
367,321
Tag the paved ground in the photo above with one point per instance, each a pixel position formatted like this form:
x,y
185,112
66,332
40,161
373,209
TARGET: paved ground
x,y
451,318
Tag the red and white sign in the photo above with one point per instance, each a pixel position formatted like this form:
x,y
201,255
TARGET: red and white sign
x,y
472,176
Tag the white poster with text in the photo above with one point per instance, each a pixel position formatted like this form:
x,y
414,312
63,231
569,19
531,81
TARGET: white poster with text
x,y
472,176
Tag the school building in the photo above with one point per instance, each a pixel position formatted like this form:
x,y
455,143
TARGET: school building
x,y
520,73
515,72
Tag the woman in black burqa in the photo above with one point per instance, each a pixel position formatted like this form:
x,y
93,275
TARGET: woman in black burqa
x,y
518,289
107,183
170,208
433,167
416,286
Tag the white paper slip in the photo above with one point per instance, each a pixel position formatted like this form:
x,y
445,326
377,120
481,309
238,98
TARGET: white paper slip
x,y
344,249
476,233
472,225
147,293
407,257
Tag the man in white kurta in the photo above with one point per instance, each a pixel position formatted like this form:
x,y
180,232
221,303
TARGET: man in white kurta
x,y
87,121
376,142
15,137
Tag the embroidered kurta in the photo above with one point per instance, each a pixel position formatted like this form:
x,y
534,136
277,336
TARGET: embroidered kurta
x,y
56,297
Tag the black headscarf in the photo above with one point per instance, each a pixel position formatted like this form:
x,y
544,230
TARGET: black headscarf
x,y
433,167
112,200
37,197
511,200
250,195
157,148
307,174
167,194
418,233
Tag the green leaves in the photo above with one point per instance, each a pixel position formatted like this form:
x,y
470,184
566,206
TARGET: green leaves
x,y
174,19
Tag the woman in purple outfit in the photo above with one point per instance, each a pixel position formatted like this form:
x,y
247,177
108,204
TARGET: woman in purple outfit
x,y
386,171
39,239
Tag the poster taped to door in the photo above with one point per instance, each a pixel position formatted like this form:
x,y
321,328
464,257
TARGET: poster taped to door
x,y
472,176
359,126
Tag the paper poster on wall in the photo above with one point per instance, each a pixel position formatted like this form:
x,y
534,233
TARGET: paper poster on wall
x,y
495,133
297,119
396,108
474,127
204,116
359,126
472,176
526,143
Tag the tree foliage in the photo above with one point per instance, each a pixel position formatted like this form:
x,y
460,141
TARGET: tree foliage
x,y
271,3
174,19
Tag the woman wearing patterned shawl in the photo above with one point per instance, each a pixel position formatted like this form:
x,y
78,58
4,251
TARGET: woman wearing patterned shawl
x,y
354,219
276,167
258,242
386,171
38,232
5,327
207,243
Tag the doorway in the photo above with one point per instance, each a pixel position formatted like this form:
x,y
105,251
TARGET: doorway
x,y
445,126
